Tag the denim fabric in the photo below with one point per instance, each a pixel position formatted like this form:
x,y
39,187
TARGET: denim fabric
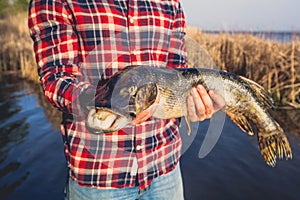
x,y
166,187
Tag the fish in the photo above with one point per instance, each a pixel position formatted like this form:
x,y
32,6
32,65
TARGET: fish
x,y
134,89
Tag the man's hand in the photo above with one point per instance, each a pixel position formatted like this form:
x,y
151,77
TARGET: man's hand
x,y
202,105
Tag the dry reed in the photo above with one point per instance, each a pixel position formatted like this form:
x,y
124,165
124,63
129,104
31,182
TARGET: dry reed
x,y
272,64
16,53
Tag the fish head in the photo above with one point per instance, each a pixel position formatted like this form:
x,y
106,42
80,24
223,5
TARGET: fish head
x,y
121,99
133,91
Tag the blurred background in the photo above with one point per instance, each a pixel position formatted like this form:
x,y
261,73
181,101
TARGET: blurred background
x,y
256,39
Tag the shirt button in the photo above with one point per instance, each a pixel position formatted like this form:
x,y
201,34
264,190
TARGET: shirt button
x,y
138,147
131,20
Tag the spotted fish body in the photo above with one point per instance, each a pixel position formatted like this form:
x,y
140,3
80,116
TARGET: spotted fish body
x,y
246,102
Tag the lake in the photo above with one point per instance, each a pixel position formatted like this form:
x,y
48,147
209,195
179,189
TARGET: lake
x,y
32,163
278,36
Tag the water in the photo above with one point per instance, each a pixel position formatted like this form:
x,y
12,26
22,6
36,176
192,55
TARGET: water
x,y
32,164
234,169
277,36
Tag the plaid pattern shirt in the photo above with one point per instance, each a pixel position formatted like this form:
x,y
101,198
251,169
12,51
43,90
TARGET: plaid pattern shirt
x,y
78,43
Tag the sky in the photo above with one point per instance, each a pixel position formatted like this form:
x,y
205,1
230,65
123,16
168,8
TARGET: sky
x,y
267,15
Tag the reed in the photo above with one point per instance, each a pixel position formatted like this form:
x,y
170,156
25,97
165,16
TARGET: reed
x,y
16,53
272,64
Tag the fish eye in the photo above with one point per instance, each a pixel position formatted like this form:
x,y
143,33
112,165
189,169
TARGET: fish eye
x,y
132,90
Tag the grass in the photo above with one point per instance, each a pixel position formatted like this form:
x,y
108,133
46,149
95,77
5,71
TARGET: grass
x,y
274,65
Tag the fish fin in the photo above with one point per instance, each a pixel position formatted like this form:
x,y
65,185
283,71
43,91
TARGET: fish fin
x,y
188,124
145,96
274,145
260,92
242,122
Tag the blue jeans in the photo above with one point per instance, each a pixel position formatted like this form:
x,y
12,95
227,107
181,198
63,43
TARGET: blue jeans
x,y
166,187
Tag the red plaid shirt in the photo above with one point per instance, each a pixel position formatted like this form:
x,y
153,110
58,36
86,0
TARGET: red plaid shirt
x,y
78,43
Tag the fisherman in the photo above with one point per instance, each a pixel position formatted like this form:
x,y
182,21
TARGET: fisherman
x,y
79,43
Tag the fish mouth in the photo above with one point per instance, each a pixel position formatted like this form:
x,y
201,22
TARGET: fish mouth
x,y
103,120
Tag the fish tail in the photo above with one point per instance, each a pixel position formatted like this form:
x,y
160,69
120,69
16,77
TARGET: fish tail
x,y
274,145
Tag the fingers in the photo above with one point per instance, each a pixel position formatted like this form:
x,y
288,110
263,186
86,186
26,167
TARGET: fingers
x,y
142,116
202,104
219,101
206,100
196,108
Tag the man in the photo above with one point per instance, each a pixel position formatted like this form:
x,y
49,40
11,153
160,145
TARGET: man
x,y
79,43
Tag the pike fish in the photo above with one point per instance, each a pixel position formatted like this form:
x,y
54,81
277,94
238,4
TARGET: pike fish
x,y
134,89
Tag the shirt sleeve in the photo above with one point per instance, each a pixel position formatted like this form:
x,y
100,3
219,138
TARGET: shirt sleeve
x,y
177,57
56,49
